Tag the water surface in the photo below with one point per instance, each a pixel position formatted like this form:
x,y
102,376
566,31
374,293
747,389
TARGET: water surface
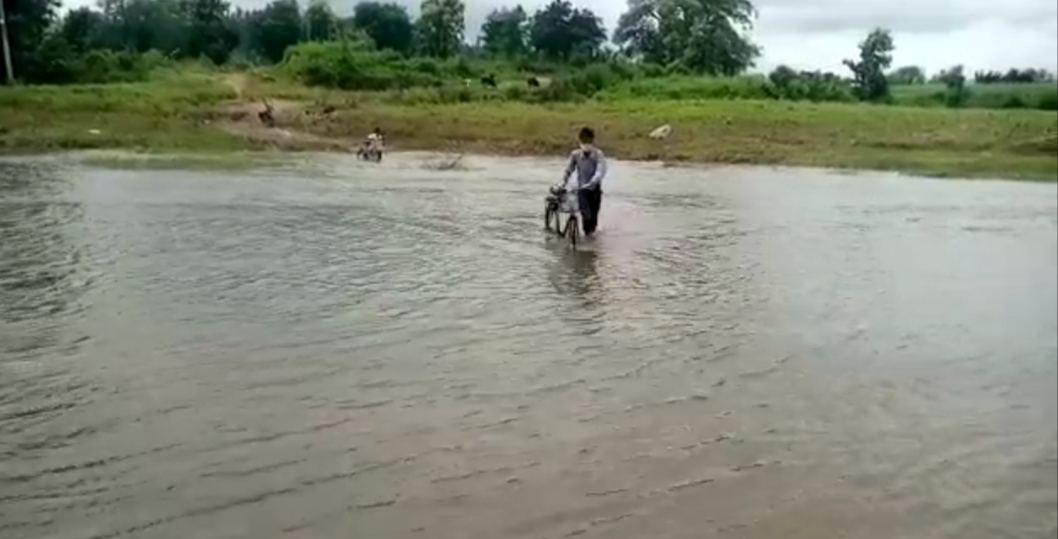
x,y
335,349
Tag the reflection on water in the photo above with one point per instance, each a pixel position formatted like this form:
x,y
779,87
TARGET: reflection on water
x,y
340,349
575,274
40,279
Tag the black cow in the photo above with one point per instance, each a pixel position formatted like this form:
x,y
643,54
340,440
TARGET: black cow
x,y
532,82
489,80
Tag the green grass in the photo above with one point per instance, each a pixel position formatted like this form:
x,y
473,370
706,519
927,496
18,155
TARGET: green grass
x,y
1007,144
682,88
180,112
1042,95
163,114
168,95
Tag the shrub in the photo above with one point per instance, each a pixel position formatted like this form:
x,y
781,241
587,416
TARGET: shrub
x,y
1013,102
591,80
690,88
55,62
351,65
785,83
1048,100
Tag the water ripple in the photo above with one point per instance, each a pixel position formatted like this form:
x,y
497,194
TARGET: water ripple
x,y
334,349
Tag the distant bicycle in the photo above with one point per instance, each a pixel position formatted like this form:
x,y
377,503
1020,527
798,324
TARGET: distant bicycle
x,y
562,201
369,154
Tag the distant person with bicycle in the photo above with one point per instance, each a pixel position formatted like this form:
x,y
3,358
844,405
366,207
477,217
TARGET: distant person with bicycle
x,y
374,141
372,146
590,165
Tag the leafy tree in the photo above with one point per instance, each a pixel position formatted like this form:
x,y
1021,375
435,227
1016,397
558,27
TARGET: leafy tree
x,y
558,30
441,27
142,25
151,24
388,25
27,24
868,73
504,32
587,35
955,81
115,15
701,36
638,31
811,85
1014,75
209,33
82,29
907,75
782,76
320,22
274,28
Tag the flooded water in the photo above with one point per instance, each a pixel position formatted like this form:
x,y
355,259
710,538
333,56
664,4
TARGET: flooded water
x,y
332,349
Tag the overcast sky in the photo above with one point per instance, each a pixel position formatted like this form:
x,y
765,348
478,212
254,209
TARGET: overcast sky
x,y
817,34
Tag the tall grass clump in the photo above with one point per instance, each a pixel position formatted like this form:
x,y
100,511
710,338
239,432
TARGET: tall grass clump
x,y
163,96
679,88
355,65
1039,96
57,65
815,86
793,86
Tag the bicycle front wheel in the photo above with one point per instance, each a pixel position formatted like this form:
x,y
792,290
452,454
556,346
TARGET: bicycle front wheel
x,y
572,230
551,216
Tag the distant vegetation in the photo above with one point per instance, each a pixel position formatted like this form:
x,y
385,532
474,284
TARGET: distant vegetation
x,y
661,49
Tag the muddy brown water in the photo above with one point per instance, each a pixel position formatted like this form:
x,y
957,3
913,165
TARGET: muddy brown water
x,y
330,349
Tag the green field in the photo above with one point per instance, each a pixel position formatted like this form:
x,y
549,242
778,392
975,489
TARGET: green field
x,y
1043,95
208,112
1037,96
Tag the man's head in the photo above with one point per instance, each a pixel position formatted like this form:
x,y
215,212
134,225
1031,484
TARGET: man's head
x,y
378,131
586,136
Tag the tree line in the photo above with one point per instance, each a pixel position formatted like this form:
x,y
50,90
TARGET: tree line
x,y
123,39
696,36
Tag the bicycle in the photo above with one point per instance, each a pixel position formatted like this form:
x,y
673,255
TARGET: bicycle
x,y
558,201
369,154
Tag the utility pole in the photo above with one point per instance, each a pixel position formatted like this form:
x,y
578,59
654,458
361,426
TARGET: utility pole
x,y
7,45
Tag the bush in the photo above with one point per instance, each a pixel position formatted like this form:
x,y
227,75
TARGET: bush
x,y
1013,102
355,65
591,80
55,62
1048,100
688,88
463,69
516,93
652,71
427,66
351,65
808,85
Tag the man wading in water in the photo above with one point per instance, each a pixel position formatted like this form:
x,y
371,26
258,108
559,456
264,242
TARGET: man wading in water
x,y
590,165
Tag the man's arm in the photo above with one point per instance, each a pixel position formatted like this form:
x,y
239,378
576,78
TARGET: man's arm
x,y
600,170
570,168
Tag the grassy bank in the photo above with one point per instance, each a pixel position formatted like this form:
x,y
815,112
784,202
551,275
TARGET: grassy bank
x,y
941,142
1037,96
207,112
159,115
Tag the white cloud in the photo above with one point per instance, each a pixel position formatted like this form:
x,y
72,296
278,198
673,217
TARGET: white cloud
x,y
818,34
935,34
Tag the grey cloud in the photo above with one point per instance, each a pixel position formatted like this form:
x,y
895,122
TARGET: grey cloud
x,y
917,16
